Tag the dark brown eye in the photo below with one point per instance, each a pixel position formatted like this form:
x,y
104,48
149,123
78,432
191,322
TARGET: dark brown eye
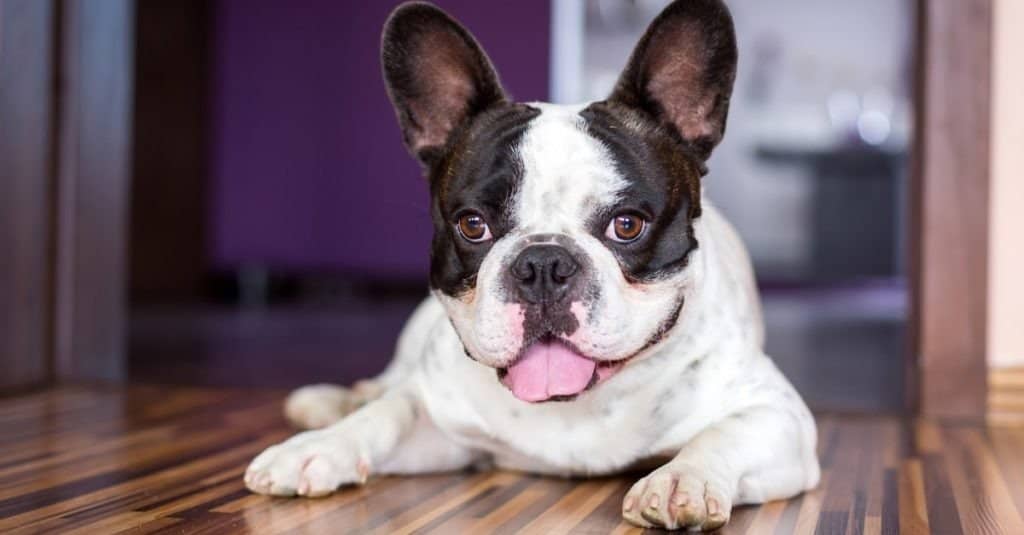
x,y
473,228
625,228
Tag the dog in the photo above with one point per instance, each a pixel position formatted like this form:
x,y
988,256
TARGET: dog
x,y
590,310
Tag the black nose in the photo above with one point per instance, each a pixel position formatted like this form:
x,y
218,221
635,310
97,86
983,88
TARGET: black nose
x,y
544,273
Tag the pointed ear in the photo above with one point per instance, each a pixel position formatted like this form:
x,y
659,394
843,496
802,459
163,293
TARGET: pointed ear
x,y
682,70
437,76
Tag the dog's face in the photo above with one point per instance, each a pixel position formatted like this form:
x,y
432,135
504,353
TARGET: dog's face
x,y
562,234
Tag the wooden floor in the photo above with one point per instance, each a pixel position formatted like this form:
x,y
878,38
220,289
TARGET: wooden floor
x,y
150,459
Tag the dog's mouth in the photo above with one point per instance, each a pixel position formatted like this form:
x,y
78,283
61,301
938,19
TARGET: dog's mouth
x,y
553,370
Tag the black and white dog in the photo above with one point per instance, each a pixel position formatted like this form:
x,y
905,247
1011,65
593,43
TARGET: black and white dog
x,y
590,310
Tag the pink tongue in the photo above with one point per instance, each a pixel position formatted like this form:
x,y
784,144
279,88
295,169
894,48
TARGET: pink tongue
x,y
548,370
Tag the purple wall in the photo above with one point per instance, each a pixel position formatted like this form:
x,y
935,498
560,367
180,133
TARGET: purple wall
x,y
309,171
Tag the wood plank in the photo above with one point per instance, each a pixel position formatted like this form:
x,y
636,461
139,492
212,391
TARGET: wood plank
x,y
169,460
1009,378
1006,397
980,489
913,504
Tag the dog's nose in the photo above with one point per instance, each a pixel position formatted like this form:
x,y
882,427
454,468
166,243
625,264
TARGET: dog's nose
x,y
544,273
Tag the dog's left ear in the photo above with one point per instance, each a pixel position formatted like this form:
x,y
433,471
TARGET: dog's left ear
x,y
682,70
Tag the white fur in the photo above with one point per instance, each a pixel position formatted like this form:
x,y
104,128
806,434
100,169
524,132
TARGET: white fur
x,y
706,397
565,173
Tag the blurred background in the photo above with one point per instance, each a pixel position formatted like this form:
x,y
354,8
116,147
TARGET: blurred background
x,y
279,230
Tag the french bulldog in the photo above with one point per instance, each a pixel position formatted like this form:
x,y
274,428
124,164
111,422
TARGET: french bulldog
x,y
590,310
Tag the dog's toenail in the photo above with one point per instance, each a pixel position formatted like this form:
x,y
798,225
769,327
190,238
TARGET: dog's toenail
x,y
363,469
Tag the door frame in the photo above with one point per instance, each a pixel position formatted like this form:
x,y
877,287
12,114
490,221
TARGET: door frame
x,y
949,227
65,171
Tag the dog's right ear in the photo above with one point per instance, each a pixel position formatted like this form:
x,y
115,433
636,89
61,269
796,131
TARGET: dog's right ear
x,y
437,76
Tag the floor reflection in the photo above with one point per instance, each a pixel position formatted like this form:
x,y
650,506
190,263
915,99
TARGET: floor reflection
x,y
842,347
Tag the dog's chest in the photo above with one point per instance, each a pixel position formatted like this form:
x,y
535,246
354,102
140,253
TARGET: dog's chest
x,y
550,441
601,432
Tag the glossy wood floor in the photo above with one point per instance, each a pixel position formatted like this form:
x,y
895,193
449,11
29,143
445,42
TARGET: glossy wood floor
x,y
153,459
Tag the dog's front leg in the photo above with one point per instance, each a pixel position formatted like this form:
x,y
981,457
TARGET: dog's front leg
x,y
315,463
751,457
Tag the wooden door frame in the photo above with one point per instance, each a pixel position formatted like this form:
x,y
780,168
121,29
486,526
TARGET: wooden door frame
x,y
92,188
27,131
949,226
65,171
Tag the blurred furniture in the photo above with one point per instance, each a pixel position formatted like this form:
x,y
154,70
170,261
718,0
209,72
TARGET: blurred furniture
x,y
170,191
848,239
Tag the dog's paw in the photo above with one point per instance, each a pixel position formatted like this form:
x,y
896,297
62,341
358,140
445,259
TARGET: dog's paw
x,y
311,464
677,498
318,406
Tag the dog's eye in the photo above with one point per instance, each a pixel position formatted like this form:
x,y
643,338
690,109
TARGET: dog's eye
x,y
473,228
625,228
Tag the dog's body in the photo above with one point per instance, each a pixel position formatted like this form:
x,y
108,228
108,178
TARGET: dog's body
x,y
613,346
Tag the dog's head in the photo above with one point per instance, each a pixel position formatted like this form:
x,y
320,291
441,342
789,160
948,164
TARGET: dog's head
x,y
562,234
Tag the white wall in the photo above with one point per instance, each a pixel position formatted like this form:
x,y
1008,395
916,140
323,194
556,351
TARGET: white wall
x,y
794,55
1006,238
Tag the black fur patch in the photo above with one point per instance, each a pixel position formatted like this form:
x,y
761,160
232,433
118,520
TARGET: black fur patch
x,y
480,172
664,187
